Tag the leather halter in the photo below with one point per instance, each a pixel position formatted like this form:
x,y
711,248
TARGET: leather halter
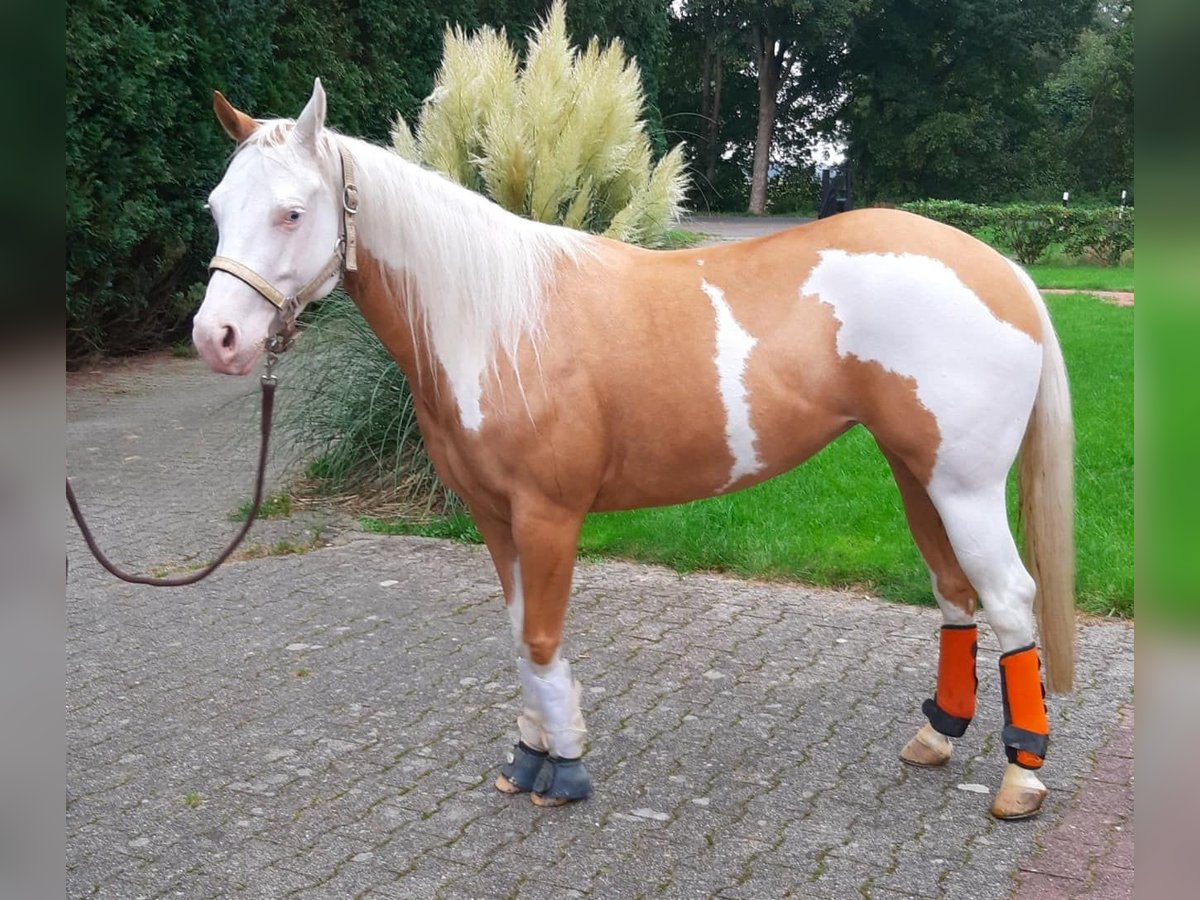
x,y
344,259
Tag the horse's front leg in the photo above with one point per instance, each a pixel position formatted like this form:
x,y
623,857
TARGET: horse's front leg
x,y
546,760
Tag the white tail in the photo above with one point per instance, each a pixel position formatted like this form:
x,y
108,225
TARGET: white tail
x,y
1046,476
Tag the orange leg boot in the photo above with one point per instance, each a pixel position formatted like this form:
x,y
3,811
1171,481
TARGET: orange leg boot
x,y
1026,734
953,705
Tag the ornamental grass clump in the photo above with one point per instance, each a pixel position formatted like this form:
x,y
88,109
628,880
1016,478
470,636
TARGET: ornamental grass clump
x,y
559,139
350,417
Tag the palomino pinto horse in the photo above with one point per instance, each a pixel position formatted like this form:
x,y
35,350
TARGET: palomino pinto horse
x,y
556,373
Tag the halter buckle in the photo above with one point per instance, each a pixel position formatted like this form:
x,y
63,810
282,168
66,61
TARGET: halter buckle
x,y
350,199
276,344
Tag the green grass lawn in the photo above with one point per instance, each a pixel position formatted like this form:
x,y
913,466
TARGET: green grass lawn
x,y
838,520
1083,277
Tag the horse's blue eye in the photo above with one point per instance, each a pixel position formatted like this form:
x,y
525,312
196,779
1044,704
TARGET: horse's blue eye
x,y
294,215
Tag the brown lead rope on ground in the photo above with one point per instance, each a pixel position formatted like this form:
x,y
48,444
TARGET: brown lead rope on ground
x,y
268,406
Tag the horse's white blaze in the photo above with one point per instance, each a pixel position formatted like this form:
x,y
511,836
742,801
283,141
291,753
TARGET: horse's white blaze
x,y
913,315
734,344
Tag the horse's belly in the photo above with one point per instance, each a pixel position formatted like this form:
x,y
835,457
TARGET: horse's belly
x,y
679,464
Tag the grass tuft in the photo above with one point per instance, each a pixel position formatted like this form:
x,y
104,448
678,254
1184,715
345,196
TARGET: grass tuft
x,y
275,506
354,415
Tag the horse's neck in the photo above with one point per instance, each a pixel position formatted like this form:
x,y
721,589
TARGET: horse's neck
x,y
448,280
383,289
381,295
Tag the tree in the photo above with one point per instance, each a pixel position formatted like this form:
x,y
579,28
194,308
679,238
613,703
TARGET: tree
x,y
709,100
797,48
942,99
1087,138
750,66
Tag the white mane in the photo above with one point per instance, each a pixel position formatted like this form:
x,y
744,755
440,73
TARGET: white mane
x,y
476,276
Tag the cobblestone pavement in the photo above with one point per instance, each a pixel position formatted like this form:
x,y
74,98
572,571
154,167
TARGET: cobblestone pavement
x,y
328,723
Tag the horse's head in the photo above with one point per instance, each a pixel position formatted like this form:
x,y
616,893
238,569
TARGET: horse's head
x,y
279,219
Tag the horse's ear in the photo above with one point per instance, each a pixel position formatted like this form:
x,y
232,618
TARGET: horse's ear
x,y
236,123
312,119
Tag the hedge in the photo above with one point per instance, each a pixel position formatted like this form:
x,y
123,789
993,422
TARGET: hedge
x,y
1028,230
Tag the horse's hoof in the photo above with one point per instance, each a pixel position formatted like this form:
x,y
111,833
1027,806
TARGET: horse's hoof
x,y
561,781
539,800
928,749
520,772
1020,796
504,786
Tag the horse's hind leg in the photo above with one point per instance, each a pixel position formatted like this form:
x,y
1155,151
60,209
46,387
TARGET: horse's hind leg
x,y
952,707
541,559
976,522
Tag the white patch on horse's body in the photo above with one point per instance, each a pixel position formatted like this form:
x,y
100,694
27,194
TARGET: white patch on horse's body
x,y
952,614
913,315
477,291
734,345
700,262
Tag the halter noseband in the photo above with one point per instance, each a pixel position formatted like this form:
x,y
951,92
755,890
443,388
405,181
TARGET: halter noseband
x,y
344,259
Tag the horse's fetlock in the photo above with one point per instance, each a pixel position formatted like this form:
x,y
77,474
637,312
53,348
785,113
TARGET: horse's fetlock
x,y
541,649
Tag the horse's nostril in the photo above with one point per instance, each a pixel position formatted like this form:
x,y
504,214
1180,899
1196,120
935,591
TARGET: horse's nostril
x,y
228,337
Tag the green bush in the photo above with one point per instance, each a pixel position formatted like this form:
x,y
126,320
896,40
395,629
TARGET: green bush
x,y
968,217
1104,234
1028,230
559,139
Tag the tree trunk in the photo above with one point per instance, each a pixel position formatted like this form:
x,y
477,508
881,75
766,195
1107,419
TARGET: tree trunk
x,y
770,74
714,121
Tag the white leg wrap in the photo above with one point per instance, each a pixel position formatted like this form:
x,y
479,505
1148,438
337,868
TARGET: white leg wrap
x,y
558,697
530,723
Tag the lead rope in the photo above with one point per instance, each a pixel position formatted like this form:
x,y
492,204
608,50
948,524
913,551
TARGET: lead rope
x,y
269,384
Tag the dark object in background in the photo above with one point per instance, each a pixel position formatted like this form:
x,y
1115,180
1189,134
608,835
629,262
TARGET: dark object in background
x,y
835,191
